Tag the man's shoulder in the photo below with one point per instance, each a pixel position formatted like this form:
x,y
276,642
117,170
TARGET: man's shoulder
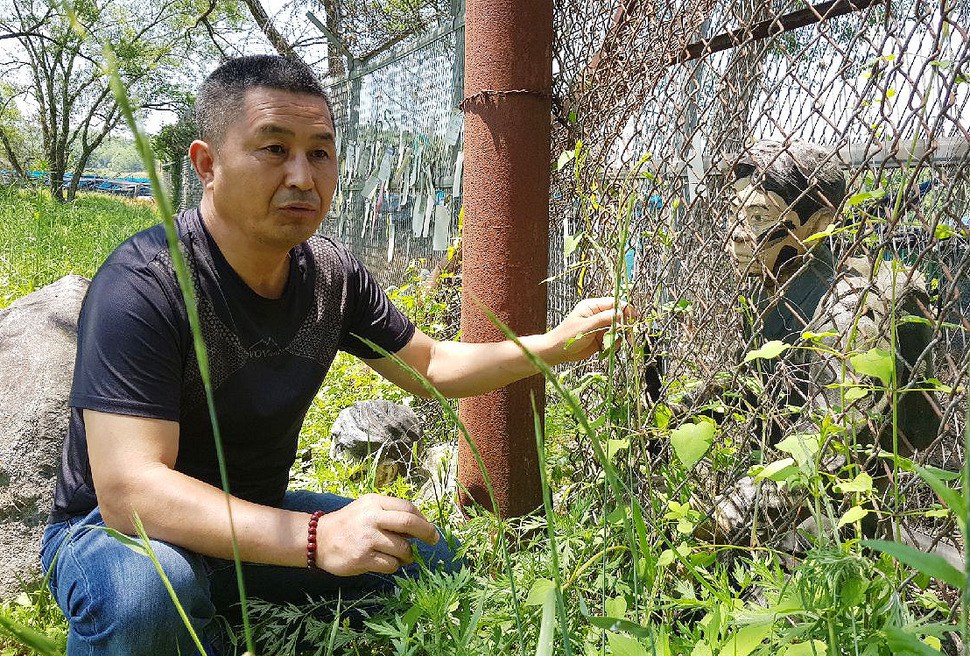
x,y
149,245
330,254
143,262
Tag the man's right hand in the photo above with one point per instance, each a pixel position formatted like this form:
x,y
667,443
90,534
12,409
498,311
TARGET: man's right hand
x,y
371,534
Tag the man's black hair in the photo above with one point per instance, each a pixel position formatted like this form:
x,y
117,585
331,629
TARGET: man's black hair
x,y
221,95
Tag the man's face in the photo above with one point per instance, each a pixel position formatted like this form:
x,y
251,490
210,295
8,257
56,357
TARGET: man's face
x,y
763,230
275,171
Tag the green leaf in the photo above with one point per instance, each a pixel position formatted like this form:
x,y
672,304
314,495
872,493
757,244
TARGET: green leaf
x,y
547,626
821,235
615,446
769,351
855,393
540,591
666,558
571,243
811,648
615,607
809,335
943,231
952,498
864,196
621,645
853,515
939,386
618,624
861,483
802,447
746,640
930,564
875,362
900,641
564,158
692,441
779,470
702,649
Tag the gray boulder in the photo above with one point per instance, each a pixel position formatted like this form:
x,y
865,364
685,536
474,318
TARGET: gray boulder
x,y
384,431
38,337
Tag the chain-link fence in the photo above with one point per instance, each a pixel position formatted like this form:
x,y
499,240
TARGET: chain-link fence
x,y
783,190
399,133
826,148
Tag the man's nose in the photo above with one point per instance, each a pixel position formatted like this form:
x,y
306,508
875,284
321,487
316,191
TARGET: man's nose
x,y
299,174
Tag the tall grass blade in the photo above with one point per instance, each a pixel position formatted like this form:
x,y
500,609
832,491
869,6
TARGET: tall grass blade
x,y
29,637
965,592
930,564
551,529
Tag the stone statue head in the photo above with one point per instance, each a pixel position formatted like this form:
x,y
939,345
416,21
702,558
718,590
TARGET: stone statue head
x,y
780,195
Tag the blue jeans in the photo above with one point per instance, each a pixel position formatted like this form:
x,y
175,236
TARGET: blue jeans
x,y
116,603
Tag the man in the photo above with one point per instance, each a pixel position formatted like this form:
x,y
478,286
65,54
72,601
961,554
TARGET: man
x,y
275,303
781,195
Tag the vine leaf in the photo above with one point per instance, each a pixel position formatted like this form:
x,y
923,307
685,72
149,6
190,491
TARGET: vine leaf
x,y
691,442
875,362
769,351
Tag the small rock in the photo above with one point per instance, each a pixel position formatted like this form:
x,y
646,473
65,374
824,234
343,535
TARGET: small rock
x,y
377,429
439,466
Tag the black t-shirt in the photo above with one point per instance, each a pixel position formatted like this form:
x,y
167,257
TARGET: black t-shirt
x,y
267,357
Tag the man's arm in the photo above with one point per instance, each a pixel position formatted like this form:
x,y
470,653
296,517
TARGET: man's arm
x,y
462,369
132,463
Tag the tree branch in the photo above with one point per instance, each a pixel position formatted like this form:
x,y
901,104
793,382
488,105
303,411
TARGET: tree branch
x,y
266,26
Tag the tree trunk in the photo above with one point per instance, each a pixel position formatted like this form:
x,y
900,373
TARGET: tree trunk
x,y
56,180
12,156
266,25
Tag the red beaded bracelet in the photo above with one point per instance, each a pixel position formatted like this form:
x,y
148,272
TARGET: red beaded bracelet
x,y
311,539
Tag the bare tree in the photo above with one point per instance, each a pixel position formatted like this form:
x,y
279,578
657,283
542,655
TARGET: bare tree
x,y
358,28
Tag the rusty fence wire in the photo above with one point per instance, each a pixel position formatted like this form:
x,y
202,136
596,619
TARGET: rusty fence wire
x,y
851,113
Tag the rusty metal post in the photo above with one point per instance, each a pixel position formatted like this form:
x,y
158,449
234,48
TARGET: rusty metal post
x,y
505,239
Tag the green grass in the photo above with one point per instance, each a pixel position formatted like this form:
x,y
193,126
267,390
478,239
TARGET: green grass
x,y
42,240
635,579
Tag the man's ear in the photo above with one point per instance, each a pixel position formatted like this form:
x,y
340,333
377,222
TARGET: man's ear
x,y
202,155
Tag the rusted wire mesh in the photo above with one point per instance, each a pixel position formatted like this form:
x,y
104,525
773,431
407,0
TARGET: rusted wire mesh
x,y
643,207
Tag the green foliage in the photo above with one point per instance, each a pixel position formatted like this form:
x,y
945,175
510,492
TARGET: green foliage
x,y
41,240
620,541
32,618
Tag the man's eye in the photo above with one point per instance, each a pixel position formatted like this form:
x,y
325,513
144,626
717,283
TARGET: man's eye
x,y
321,154
275,149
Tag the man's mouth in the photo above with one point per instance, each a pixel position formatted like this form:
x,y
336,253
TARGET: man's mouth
x,y
299,207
